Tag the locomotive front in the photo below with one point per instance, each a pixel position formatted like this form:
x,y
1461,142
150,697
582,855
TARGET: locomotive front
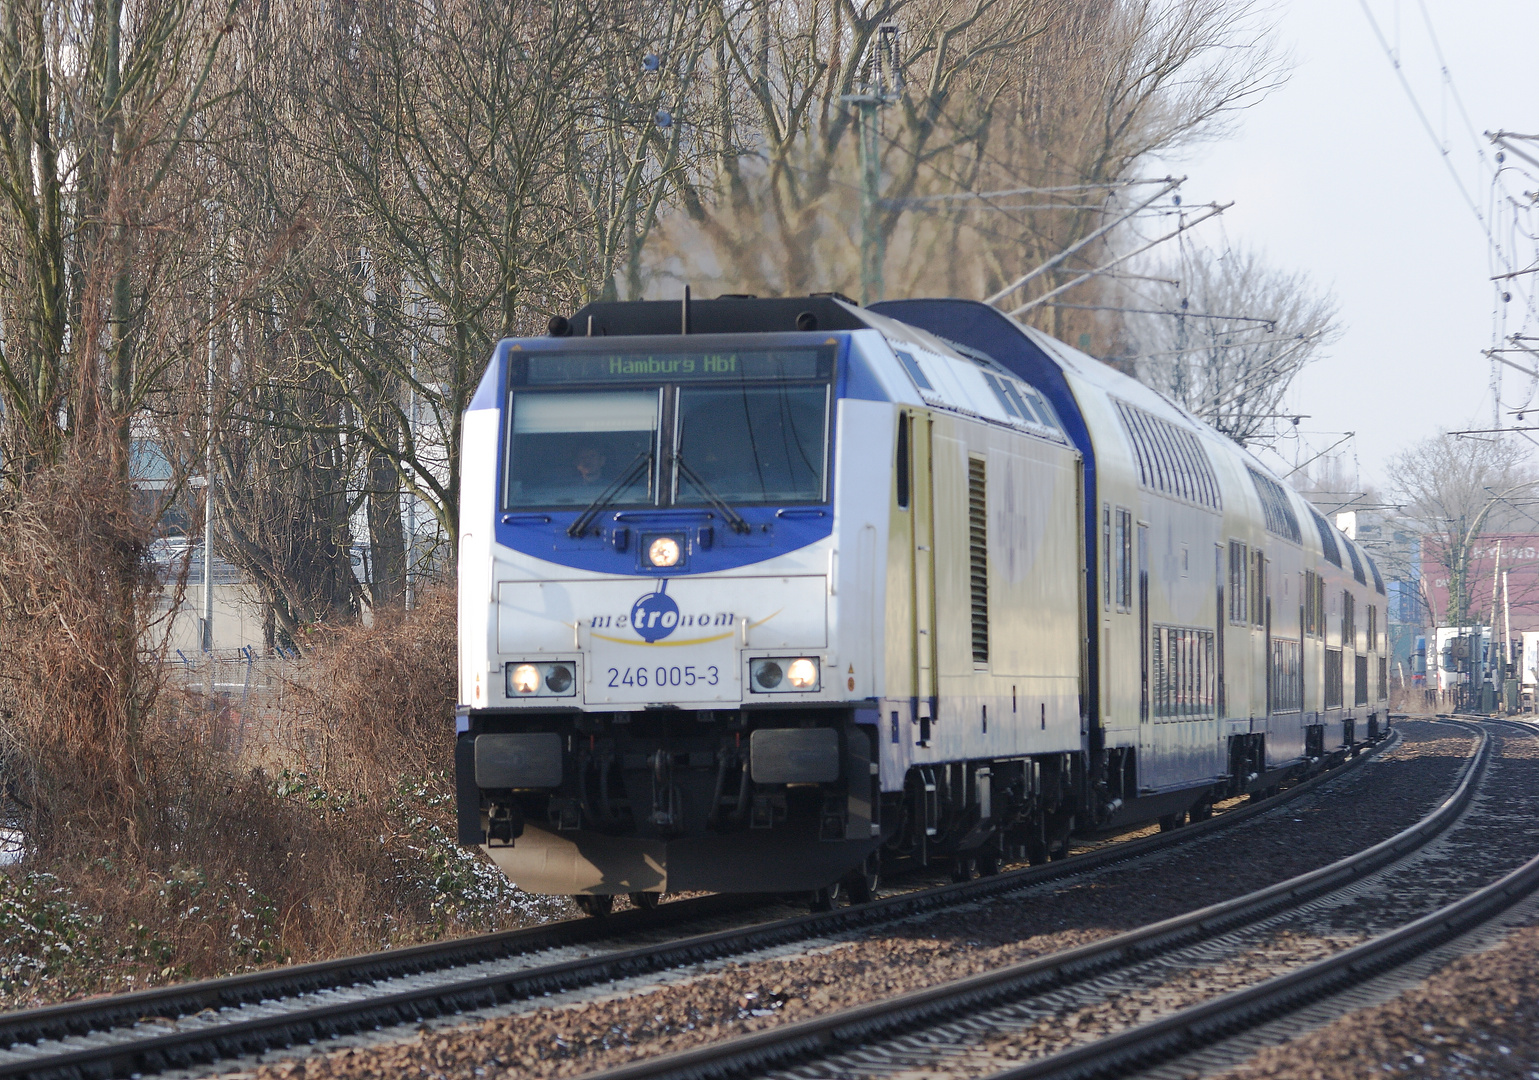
x,y
658,695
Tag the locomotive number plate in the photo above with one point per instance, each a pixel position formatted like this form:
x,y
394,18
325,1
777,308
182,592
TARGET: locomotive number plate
x,y
623,673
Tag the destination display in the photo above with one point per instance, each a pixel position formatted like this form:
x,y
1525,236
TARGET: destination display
x,y
553,369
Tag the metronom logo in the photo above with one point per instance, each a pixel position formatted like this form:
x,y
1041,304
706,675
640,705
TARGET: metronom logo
x,y
656,615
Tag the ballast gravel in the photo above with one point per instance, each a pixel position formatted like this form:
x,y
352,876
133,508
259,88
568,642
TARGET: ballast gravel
x,y
1478,1017
572,1038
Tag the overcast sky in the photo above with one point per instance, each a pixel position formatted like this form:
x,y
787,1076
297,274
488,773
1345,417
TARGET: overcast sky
x,y
1333,174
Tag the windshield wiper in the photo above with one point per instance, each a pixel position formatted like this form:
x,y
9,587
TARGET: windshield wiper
x,y
734,519
633,473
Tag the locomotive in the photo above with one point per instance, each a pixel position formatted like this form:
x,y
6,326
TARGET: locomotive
x,y
761,595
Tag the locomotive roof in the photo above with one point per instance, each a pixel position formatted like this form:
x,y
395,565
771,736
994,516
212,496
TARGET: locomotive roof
x,y
724,315
743,314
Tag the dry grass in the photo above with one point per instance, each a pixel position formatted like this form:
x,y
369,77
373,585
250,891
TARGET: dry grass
x,y
154,853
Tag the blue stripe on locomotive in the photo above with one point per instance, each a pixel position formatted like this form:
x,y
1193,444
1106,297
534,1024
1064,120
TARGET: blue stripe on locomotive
x,y
775,530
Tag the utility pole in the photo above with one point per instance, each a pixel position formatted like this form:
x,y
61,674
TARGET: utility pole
x,y
410,440
883,84
206,642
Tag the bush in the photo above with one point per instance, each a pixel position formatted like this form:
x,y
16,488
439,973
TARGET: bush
x,y
331,833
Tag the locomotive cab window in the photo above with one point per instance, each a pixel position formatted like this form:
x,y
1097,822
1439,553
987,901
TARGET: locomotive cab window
x,y
566,448
761,444
687,428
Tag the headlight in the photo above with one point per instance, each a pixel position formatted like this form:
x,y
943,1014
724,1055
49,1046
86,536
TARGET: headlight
x,y
558,679
664,551
803,674
541,679
524,679
783,675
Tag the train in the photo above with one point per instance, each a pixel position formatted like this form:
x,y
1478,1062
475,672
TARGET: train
x,y
778,594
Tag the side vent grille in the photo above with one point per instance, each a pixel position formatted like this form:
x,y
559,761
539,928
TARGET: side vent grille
x,y
978,557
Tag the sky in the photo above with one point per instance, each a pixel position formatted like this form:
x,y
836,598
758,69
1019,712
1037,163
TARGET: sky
x,y
1333,174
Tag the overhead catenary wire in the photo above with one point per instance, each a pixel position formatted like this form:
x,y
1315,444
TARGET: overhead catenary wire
x,y
1270,322
1426,122
1317,457
1110,185
1500,256
1213,211
1083,242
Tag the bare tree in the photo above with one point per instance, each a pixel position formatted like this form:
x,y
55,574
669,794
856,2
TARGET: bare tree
x,y
1452,491
438,146
1228,339
1066,98
770,208
630,152
101,232
1088,102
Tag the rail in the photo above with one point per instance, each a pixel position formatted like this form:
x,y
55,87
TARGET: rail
x,y
820,1037
222,1020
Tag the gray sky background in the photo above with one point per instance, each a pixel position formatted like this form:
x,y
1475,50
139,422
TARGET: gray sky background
x,y
1334,175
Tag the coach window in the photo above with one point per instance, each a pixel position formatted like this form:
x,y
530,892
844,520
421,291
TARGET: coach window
x,y
1124,559
915,372
1106,554
902,462
1239,573
1258,588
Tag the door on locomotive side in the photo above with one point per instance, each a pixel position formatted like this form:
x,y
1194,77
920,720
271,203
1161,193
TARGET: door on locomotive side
x,y
922,576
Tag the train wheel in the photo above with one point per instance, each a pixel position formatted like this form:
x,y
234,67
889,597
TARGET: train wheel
x,y
1036,842
596,906
965,868
1060,848
1172,822
825,899
646,901
988,864
861,884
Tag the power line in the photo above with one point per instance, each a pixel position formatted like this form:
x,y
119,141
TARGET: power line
x,y
1213,211
1170,184
1270,323
1110,185
1426,124
1437,50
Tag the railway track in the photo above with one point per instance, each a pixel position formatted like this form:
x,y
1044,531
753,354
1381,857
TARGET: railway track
x,y
965,1028
199,1023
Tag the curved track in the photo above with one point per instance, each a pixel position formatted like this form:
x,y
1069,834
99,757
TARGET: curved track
x,y
181,1026
942,1031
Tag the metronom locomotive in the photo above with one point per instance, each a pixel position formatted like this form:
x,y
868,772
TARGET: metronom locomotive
x,y
763,594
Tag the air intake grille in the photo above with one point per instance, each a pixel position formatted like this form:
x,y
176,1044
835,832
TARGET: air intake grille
x,y
978,557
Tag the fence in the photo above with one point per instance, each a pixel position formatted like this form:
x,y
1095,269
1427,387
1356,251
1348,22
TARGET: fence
x,y
247,692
